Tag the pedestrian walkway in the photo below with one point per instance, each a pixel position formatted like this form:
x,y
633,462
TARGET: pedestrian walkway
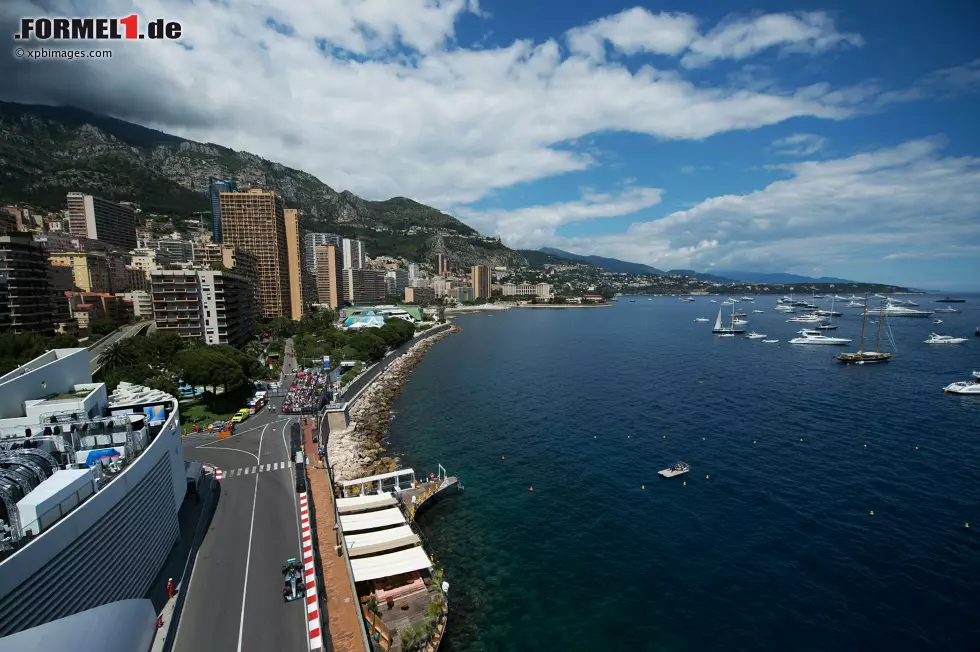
x,y
343,618
224,474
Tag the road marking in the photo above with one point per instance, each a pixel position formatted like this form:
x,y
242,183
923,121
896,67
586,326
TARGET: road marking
x,y
248,554
239,450
312,597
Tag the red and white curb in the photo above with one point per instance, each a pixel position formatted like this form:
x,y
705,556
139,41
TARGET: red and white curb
x,y
312,600
218,474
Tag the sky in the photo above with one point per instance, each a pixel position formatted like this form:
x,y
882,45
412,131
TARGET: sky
x,y
819,138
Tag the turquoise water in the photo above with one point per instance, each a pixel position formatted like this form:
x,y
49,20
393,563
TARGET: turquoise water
x,y
776,550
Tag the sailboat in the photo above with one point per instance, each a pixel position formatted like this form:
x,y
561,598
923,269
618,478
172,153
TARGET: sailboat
x,y
727,330
862,356
830,325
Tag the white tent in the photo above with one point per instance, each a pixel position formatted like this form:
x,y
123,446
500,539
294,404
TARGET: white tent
x,y
367,543
395,563
372,520
363,503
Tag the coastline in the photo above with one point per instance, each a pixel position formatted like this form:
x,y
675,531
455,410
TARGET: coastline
x,y
357,451
570,305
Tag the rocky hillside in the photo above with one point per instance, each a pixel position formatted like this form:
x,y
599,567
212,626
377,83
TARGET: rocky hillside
x,y
46,152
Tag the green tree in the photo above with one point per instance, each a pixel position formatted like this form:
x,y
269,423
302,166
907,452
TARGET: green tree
x,y
368,346
115,356
210,367
101,327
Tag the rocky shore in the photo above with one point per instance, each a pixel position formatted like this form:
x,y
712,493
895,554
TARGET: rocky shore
x,y
357,452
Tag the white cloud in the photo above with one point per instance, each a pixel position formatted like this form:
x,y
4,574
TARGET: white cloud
x,y
535,226
808,32
905,202
799,144
639,30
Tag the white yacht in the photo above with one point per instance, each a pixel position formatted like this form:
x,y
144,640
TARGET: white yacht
x,y
936,322
947,310
806,319
714,300
770,341
748,299
893,310
701,319
816,337
755,336
785,308
758,312
675,469
971,387
944,339
739,322
855,304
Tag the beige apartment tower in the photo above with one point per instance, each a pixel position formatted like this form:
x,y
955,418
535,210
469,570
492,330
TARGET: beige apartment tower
x,y
442,265
481,281
255,222
329,275
298,290
102,220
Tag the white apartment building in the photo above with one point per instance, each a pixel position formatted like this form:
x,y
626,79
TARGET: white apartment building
x,y
527,290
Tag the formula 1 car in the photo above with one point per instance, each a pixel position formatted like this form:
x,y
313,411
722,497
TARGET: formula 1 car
x,y
292,572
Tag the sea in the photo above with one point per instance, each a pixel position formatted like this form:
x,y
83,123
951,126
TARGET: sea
x,y
828,507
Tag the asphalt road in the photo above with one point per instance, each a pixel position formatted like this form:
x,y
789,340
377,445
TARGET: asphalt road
x,y
120,334
234,600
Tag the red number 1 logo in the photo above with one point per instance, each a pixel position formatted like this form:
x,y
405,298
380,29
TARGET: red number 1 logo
x,y
129,22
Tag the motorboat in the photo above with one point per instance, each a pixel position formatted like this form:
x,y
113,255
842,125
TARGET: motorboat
x,y
816,337
971,387
713,300
687,299
755,336
726,334
739,314
680,468
702,319
828,313
785,308
770,341
944,339
855,304
947,309
976,374
758,312
739,322
950,300
632,300
806,319
748,299
826,327
936,322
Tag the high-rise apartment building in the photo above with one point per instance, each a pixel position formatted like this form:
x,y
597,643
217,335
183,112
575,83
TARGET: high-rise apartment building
x,y
413,271
396,280
480,277
254,222
329,275
312,240
101,219
214,306
442,265
354,254
215,188
440,286
27,292
363,285
419,296
300,280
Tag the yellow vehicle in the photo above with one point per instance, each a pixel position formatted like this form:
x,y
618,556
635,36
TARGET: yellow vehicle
x,y
240,416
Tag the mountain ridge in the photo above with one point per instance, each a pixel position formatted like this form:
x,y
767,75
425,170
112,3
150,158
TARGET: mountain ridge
x,y
48,151
614,265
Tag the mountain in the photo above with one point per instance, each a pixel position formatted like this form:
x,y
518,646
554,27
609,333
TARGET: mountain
x,y
777,278
46,152
608,264
711,278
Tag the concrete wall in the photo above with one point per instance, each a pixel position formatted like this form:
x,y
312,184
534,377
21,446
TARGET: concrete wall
x,y
109,549
42,377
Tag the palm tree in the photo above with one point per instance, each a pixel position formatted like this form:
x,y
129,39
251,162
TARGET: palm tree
x,y
114,356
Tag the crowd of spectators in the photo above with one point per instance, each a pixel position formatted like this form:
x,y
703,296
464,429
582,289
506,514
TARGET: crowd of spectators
x,y
306,392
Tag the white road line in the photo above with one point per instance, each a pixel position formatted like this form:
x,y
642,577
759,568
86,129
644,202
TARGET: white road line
x,y
248,554
299,530
237,450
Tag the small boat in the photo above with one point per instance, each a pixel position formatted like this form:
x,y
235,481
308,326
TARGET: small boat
x,y
855,304
950,300
947,309
806,319
675,469
726,334
649,299
702,319
758,312
770,341
944,339
815,337
936,322
748,299
754,336
632,300
826,327
739,322
971,387
714,301
739,314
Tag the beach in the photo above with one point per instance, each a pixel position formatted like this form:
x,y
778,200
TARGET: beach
x,y
357,451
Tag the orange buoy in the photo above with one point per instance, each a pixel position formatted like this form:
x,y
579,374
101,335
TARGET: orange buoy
x,y
531,489
501,457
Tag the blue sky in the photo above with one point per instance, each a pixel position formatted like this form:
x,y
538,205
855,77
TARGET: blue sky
x,y
832,138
